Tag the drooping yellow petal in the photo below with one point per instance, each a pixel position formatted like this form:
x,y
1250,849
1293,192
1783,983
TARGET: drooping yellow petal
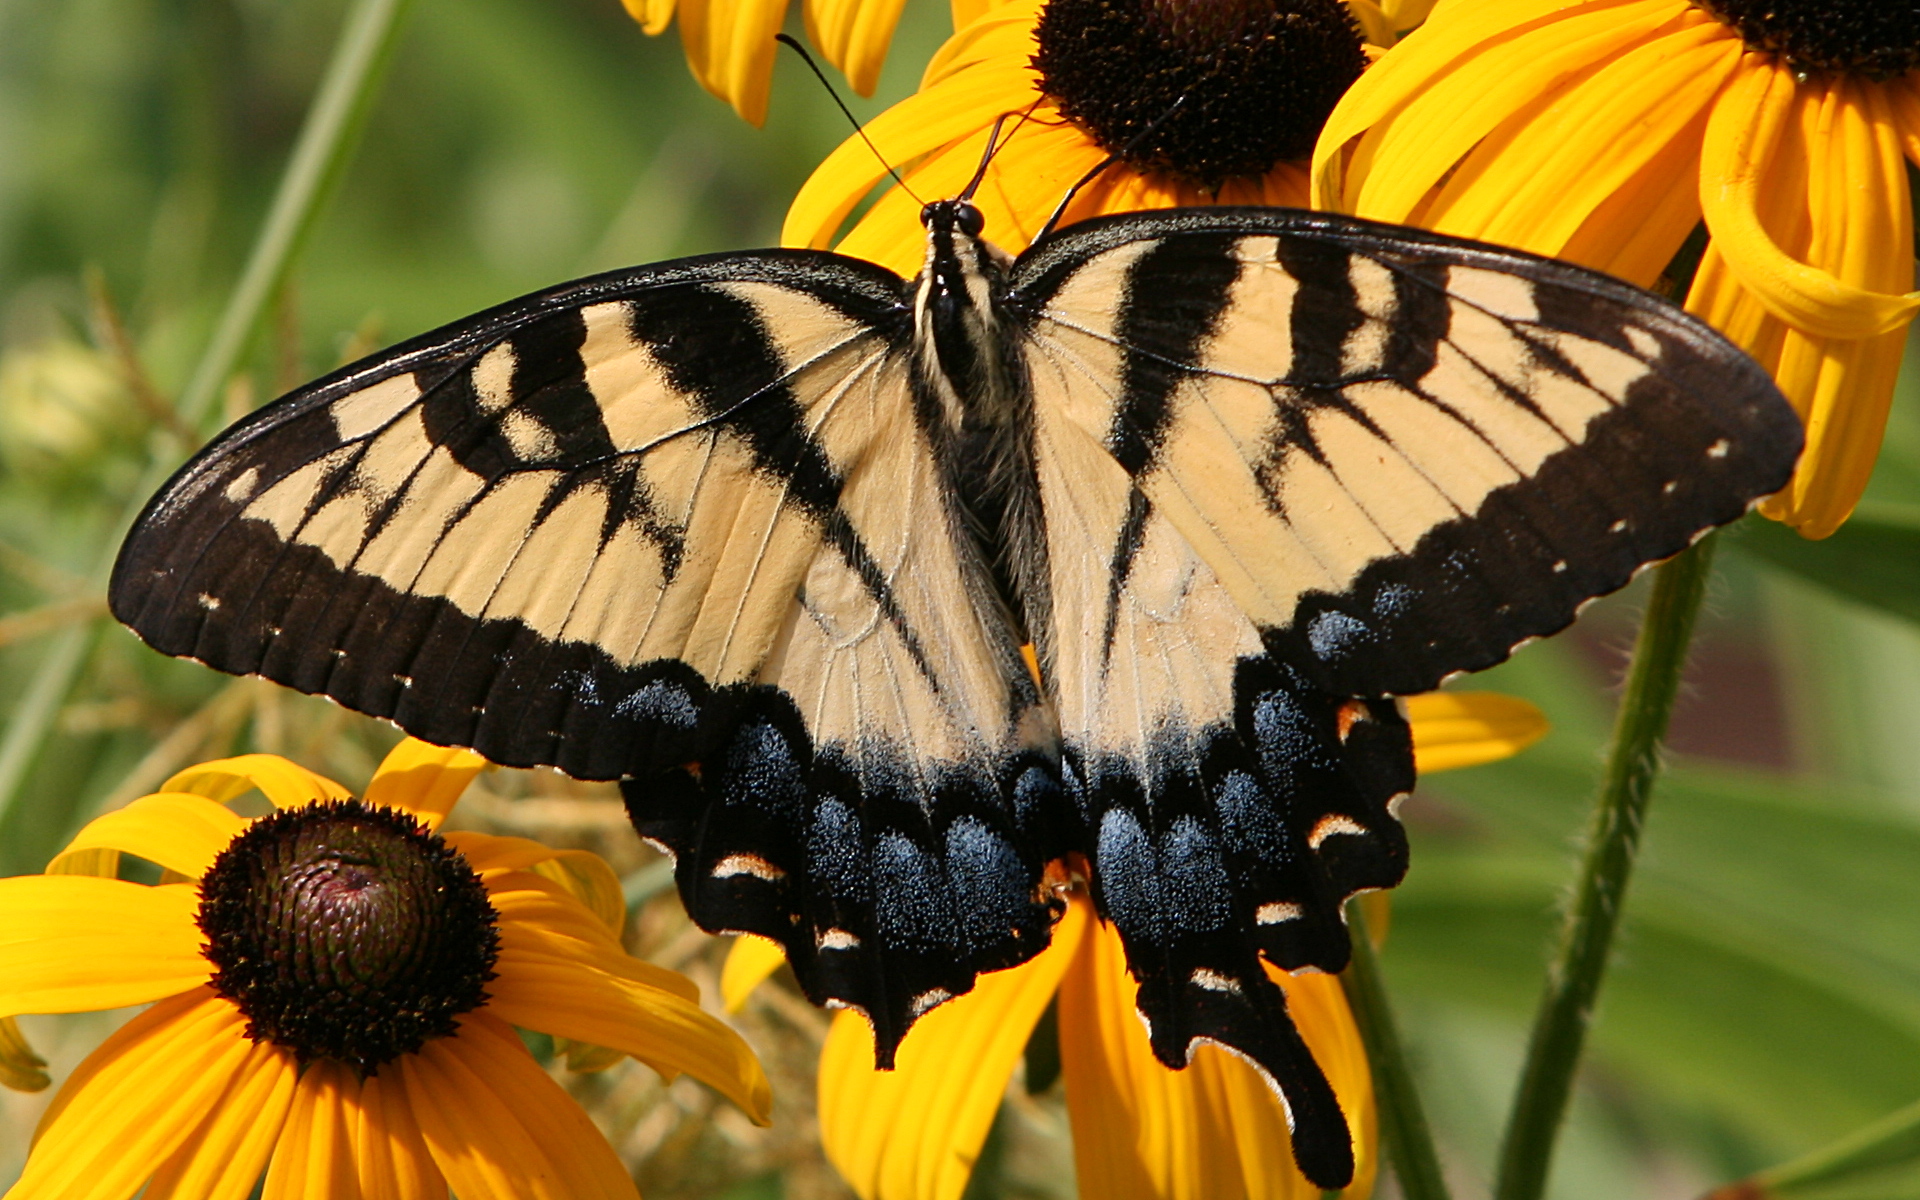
x,y
854,35
569,997
1836,196
179,831
286,784
913,1133
223,1158
315,1154
730,47
137,1099
393,1158
74,943
20,1068
1740,139
423,779
749,961
1141,1130
1465,729
499,1128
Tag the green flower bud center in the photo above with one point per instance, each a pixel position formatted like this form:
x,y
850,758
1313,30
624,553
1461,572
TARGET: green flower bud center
x,y
1872,39
347,932
1203,90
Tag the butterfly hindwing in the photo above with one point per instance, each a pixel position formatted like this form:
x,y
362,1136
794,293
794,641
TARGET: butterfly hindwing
x,y
671,521
1293,465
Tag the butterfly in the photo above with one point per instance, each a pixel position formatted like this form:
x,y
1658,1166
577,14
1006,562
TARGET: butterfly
x,y
880,596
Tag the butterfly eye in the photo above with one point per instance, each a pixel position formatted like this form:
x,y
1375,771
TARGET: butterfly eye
x,y
969,219
926,215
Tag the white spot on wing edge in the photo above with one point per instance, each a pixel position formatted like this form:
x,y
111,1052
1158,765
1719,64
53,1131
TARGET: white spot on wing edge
x,y
836,939
746,864
1213,981
929,1000
1331,824
1719,449
1277,912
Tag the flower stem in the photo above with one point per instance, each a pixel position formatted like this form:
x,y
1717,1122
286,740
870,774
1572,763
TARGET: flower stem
x,y
326,143
1403,1122
1573,980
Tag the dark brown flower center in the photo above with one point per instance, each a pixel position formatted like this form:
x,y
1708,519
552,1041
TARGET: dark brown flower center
x,y
1873,39
347,932
1204,90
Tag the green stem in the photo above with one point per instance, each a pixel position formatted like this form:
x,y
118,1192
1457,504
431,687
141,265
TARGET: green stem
x,y
332,128
1403,1121
334,121
1573,981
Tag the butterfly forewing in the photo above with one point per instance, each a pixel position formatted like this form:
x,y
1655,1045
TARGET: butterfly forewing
x,y
676,522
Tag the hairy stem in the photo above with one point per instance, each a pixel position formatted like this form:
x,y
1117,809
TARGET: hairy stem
x,y
1613,839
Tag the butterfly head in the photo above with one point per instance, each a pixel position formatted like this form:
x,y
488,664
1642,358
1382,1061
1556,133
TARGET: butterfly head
x,y
947,216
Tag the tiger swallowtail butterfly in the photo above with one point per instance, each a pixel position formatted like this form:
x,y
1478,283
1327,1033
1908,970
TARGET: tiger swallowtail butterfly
x,y
762,535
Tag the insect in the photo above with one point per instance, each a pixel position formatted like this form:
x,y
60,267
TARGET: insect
x,y
763,535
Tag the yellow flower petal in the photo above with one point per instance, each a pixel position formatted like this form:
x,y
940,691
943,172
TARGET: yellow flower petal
x,y
654,15
74,943
1213,1129
314,1157
1741,137
854,35
1451,83
927,121
20,1068
567,996
730,47
542,913
749,961
179,831
423,779
137,1099
223,1158
499,1128
1465,729
286,784
394,1161
913,1133
1526,185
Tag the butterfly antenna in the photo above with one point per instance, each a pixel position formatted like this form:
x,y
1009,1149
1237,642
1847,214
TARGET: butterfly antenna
x,y
788,41
1139,140
994,146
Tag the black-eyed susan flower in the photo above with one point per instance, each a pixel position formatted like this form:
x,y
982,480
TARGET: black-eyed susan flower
x,y
1604,131
730,44
334,991
1202,102
1141,1131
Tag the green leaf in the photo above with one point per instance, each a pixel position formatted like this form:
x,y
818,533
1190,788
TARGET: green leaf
x,y
1874,559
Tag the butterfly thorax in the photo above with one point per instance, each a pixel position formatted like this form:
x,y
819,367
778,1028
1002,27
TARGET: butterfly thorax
x,y
972,389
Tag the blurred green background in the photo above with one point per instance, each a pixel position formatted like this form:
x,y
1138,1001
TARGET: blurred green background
x,y
1767,997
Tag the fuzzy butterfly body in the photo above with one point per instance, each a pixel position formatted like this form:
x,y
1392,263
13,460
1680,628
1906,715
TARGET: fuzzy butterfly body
x,y
763,536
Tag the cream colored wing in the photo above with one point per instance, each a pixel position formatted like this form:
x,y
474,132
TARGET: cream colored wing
x,y
679,527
